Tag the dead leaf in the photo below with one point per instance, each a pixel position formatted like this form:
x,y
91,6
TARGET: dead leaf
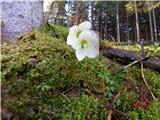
x,y
88,117
116,97
109,115
103,86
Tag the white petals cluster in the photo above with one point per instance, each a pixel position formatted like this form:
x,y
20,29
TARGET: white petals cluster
x,y
83,40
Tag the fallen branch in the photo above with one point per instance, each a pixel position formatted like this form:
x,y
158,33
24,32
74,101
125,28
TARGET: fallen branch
x,y
129,65
126,57
142,73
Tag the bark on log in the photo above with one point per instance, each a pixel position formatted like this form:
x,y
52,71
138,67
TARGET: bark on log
x,y
125,57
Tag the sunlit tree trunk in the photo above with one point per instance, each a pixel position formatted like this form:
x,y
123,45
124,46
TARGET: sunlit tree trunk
x,y
128,29
137,23
151,26
59,19
92,3
106,28
70,8
150,23
118,29
155,26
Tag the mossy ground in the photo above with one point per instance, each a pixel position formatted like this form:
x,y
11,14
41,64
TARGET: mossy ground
x,y
150,49
42,79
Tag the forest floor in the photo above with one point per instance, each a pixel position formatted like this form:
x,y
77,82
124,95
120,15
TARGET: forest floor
x,y
42,79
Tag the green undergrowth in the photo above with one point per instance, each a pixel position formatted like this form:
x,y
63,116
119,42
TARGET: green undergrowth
x,y
42,79
135,99
150,49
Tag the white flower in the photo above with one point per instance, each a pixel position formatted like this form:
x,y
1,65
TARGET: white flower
x,y
86,45
84,40
75,31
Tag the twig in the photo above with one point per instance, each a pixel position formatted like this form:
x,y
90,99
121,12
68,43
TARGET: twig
x,y
129,65
112,107
79,20
48,117
142,72
68,89
79,15
109,115
65,97
119,112
48,24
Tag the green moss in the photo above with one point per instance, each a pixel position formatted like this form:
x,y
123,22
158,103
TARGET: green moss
x,y
150,49
55,31
39,68
42,79
136,90
142,114
79,108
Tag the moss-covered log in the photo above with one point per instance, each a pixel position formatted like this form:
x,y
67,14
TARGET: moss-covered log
x,y
126,57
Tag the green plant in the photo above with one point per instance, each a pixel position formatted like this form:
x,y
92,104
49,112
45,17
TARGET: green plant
x,y
142,114
39,69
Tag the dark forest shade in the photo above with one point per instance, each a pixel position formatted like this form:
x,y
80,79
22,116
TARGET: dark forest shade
x,y
109,17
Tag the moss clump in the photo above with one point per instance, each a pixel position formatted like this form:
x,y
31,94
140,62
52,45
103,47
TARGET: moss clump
x,y
42,79
84,106
150,49
55,31
40,73
142,114
135,99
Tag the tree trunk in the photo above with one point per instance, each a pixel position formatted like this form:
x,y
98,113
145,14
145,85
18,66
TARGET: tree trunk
x,y
102,29
137,23
128,29
106,28
155,26
135,33
121,31
125,57
151,26
92,3
99,23
117,16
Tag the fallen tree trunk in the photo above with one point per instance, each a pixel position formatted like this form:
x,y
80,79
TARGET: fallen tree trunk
x,y
125,57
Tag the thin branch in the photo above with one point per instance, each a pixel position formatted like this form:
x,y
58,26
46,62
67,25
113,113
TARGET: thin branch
x,y
109,115
129,65
142,72
49,117
79,19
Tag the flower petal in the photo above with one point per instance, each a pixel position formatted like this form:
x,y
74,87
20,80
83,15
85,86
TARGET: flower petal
x,y
73,41
85,26
92,52
74,29
90,36
80,54
96,38
76,44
